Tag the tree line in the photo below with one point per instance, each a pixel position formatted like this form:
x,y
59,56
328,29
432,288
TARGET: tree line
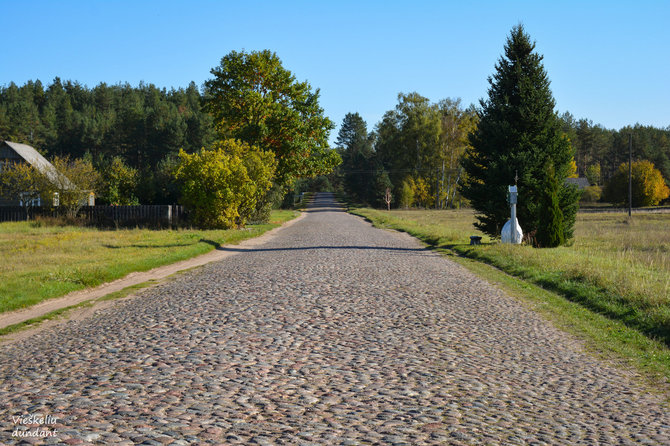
x,y
131,133
417,150
231,152
600,151
443,154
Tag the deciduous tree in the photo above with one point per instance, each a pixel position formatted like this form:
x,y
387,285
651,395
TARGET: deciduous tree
x,y
74,180
253,98
118,182
648,185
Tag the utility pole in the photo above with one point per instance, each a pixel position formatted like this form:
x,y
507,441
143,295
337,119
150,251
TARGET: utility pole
x,y
630,175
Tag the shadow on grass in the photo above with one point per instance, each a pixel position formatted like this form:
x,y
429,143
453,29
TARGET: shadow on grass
x,y
592,297
169,245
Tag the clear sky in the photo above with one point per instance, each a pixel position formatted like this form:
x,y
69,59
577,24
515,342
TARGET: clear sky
x,y
608,61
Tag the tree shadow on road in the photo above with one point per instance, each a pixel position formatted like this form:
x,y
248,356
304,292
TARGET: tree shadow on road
x,y
314,248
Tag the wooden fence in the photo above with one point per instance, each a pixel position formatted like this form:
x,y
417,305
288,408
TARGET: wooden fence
x,y
111,216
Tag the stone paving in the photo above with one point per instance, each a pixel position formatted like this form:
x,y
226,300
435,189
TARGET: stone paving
x,y
332,333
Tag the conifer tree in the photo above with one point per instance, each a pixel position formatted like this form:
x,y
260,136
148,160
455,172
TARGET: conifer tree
x,y
518,133
550,232
357,158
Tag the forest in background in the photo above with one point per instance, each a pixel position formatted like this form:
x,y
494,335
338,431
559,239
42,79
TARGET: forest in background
x,y
145,126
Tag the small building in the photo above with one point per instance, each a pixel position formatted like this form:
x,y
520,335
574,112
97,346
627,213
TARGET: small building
x,y
13,153
581,182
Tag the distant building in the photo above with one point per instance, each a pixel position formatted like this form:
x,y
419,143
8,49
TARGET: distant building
x,y
13,153
581,182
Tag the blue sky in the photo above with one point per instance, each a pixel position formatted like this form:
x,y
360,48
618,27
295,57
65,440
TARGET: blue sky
x,y
608,61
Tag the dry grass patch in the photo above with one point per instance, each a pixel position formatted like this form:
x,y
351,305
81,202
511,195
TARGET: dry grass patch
x,y
41,262
614,266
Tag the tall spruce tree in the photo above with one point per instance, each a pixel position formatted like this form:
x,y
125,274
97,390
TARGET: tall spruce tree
x,y
519,132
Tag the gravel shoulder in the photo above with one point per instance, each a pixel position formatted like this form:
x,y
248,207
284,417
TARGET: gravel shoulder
x,y
333,332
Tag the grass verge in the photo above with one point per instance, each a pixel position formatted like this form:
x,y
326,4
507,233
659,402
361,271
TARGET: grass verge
x,y
42,262
62,311
607,321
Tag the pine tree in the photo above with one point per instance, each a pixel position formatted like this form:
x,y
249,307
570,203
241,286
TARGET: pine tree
x,y
518,132
357,158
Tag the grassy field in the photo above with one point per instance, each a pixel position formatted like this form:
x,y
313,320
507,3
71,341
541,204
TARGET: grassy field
x,y
616,268
39,262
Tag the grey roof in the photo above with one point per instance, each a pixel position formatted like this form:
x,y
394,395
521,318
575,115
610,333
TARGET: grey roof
x,y
35,159
580,182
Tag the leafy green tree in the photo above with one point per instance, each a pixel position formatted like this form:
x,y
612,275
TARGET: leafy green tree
x,y
649,187
456,124
74,180
165,186
118,182
221,186
253,98
518,132
21,182
408,139
425,140
406,196
593,174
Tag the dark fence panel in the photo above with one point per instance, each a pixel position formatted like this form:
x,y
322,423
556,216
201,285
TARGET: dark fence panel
x,y
148,215
13,213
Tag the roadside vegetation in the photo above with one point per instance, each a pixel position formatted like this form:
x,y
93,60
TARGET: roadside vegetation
x,y
615,267
42,261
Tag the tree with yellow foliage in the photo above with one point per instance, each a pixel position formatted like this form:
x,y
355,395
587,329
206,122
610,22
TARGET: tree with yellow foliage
x,y
648,185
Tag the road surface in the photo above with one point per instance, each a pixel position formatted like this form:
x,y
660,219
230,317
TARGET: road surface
x,y
333,332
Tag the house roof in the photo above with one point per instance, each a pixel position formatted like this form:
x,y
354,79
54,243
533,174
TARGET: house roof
x,y
35,159
580,182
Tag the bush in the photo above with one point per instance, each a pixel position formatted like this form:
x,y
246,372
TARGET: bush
x,y
591,194
222,186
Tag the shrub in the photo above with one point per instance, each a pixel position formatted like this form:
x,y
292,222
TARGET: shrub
x,y
591,194
222,186
118,182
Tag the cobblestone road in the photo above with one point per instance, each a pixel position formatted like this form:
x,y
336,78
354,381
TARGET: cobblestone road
x,y
331,333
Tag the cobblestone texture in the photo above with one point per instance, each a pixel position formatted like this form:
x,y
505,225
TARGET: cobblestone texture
x,y
331,333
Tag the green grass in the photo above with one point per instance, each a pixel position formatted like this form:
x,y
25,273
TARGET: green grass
x,y
615,275
42,262
64,311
